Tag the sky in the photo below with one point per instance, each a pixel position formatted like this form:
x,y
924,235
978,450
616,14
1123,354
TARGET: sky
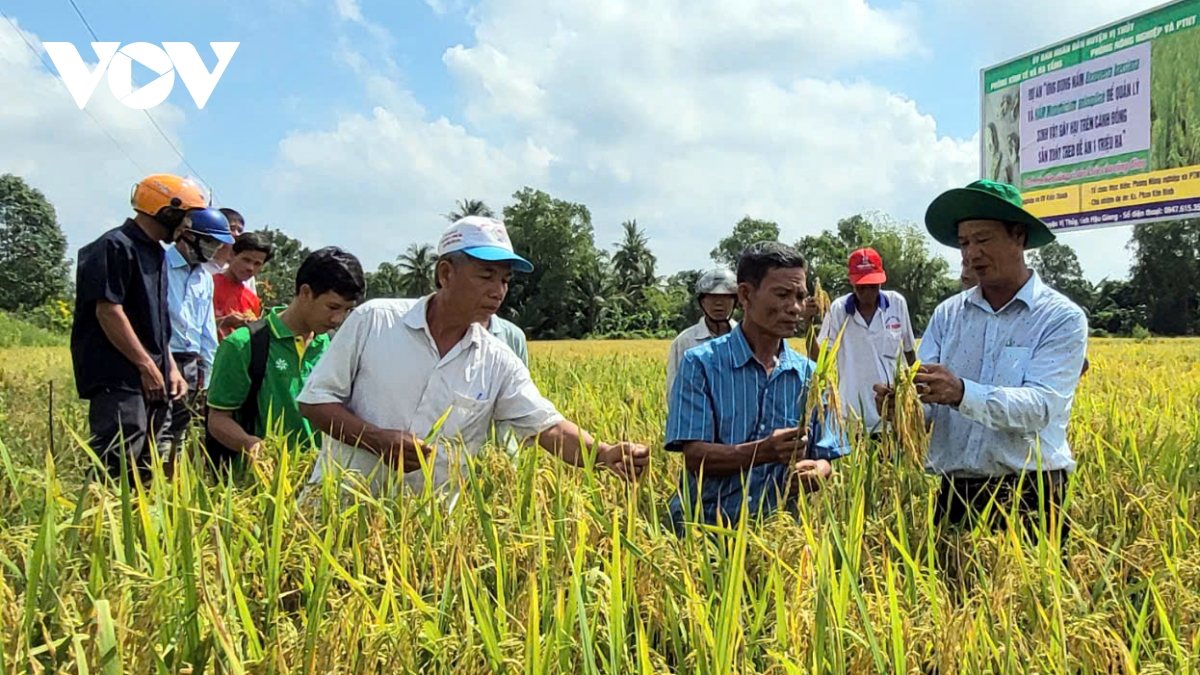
x,y
358,123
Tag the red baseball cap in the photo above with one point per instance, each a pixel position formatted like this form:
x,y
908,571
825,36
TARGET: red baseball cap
x,y
866,267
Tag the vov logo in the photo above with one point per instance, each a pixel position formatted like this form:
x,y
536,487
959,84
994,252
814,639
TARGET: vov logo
x,y
179,57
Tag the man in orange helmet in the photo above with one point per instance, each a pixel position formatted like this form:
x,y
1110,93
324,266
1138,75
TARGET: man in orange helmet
x,y
120,339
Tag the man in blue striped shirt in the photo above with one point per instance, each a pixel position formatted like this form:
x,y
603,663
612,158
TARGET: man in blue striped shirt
x,y
737,401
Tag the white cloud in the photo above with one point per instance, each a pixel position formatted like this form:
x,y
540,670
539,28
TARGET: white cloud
x,y
348,10
376,183
47,140
688,115
684,115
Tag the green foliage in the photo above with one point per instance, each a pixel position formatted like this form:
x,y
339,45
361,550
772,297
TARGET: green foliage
x,y
1115,308
15,332
1175,96
417,269
277,281
33,264
55,315
913,269
633,264
470,207
1166,276
1059,267
564,296
747,231
385,282
1140,333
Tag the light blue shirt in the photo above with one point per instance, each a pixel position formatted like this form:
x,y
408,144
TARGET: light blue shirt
x,y
722,394
190,296
1019,366
511,335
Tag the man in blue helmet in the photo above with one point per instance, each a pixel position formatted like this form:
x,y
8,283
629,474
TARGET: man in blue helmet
x,y
193,326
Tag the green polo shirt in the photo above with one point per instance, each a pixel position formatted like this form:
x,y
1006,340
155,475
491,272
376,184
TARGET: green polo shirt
x,y
288,366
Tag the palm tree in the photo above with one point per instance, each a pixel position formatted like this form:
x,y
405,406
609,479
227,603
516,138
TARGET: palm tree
x,y
633,263
417,268
470,207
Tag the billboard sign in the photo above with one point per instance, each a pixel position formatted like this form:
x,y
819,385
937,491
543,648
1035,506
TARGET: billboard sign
x,y
1103,129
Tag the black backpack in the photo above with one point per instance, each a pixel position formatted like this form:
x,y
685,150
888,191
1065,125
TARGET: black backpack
x,y
247,415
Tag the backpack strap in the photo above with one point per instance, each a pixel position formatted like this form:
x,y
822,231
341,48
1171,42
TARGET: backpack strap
x,y
260,344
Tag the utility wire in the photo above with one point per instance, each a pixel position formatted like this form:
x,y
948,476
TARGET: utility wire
x,y
154,122
51,68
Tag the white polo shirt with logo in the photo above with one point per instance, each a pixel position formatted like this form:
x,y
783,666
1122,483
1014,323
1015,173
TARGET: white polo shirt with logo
x,y
867,356
384,366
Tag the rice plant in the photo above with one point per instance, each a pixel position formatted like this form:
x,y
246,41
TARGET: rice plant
x,y
541,568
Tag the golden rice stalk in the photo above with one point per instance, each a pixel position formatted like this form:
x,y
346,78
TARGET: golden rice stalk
x,y
908,421
823,400
822,297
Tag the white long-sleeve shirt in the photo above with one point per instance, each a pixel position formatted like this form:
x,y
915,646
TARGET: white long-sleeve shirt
x,y
1020,366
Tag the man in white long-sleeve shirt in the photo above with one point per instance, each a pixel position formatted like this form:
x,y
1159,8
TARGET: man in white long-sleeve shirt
x,y
1000,363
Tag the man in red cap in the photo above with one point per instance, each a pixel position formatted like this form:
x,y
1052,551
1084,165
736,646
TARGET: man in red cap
x,y
875,325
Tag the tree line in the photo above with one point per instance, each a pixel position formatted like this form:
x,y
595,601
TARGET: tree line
x,y
580,289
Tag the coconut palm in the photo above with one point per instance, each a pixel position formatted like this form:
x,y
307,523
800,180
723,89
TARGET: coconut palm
x,y
417,268
633,263
470,207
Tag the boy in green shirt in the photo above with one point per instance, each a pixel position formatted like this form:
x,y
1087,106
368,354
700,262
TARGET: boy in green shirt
x,y
328,285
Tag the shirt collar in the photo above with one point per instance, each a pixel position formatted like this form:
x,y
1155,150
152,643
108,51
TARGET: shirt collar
x,y
278,328
494,326
416,319
852,302
175,259
702,325
1029,294
789,359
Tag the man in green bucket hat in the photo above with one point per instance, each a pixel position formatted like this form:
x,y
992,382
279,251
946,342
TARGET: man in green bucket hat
x,y
999,366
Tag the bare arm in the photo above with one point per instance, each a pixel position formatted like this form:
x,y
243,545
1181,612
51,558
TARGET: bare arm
x,y
336,420
226,430
718,459
566,441
117,328
911,357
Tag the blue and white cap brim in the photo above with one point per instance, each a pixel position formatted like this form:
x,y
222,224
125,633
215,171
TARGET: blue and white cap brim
x,y
497,254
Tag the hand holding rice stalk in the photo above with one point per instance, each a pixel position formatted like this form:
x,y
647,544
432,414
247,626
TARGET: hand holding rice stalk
x,y
902,408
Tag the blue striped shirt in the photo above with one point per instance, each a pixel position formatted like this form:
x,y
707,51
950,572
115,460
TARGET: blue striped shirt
x,y
723,395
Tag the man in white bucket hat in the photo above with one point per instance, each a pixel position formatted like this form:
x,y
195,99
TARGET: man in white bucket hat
x,y
399,370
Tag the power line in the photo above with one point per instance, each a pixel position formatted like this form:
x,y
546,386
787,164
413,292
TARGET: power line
x,y
50,68
150,117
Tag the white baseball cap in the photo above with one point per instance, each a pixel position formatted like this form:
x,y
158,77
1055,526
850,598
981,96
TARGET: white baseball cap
x,y
484,239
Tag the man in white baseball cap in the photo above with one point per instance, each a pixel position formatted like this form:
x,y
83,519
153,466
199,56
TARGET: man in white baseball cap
x,y
399,370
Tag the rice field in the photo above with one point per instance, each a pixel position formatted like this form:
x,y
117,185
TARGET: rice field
x,y
540,568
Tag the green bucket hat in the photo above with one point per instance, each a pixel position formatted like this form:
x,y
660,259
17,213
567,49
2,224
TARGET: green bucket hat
x,y
983,200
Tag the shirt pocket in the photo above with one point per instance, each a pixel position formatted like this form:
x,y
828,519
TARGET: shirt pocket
x,y
465,415
1011,366
887,343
